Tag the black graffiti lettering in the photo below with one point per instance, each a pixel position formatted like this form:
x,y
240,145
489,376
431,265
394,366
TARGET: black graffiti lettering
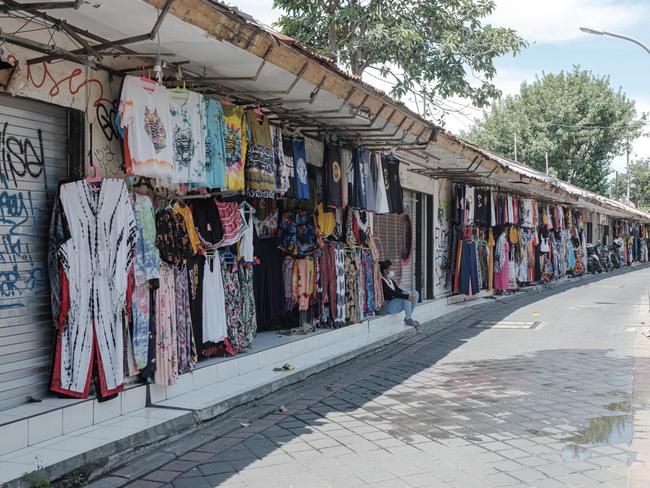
x,y
105,115
20,156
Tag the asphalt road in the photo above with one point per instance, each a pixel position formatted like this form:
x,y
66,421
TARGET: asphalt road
x,y
546,390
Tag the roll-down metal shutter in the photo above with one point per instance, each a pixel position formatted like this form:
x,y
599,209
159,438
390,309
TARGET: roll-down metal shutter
x,y
33,158
395,238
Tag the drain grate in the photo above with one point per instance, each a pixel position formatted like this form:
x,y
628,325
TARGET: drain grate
x,y
506,324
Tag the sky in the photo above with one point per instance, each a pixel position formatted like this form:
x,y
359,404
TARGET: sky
x,y
552,28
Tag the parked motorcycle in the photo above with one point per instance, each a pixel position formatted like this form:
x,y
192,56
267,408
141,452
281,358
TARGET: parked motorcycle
x,y
603,255
593,261
615,253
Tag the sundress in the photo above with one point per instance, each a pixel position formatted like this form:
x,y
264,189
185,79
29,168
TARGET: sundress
x,y
249,320
234,307
185,344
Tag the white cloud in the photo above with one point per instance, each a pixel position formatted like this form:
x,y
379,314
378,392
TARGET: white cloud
x,y
556,21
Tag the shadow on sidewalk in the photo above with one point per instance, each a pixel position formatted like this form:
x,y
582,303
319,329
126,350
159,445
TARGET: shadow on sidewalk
x,y
392,395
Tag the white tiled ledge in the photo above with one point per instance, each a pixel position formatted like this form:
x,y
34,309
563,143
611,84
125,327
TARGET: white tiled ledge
x,y
37,422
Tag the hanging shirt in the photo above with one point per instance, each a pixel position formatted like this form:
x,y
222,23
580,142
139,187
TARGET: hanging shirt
x,y
188,116
300,162
381,200
469,204
333,175
371,180
394,186
236,140
144,114
215,145
260,163
283,172
287,149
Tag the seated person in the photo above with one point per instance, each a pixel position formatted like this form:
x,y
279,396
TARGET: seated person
x,y
396,299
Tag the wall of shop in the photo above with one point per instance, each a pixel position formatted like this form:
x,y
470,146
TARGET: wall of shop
x,y
441,240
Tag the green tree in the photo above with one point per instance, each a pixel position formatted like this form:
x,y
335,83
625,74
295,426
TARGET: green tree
x,y
424,49
639,174
575,117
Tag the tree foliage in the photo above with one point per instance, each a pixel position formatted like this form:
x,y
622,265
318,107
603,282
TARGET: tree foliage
x,y
428,49
639,174
575,117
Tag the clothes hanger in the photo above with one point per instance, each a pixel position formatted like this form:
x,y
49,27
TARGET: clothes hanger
x,y
229,257
147,78
226,101
94,178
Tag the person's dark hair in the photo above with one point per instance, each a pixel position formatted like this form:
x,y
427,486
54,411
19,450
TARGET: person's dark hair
x,y
384,265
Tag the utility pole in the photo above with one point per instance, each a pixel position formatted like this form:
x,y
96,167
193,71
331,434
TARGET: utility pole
x,y
627,169
546,157
515,147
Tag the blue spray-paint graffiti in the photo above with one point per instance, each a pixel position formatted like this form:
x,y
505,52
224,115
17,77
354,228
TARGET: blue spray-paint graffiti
x,y
22,277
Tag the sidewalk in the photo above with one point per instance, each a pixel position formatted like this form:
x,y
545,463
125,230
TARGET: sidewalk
x,y
61,436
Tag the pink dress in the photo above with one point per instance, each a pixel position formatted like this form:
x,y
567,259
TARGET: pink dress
x,y
501,277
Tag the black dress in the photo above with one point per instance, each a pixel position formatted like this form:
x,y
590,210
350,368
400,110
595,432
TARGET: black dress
x,y
394,190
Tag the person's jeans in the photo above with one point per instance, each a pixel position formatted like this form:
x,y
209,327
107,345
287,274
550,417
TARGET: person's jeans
x,y
396,305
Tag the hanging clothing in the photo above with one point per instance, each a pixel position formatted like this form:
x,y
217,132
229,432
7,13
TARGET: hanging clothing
x,y
236,142
371,180
333,184
232,222
144,114
214,305
245,248
501,263
326,221
188,122
185,341
283,171
188,220
95,262
260,161
382,184
248,329
146,269
360,167
300,164
268,284
172,239
166,336
234,307
215,145
287,149
207,222
394,191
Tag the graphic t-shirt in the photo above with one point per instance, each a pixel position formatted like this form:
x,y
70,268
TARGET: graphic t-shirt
x,y
300,162
333,175
236,140
188,116
215,145
145,117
